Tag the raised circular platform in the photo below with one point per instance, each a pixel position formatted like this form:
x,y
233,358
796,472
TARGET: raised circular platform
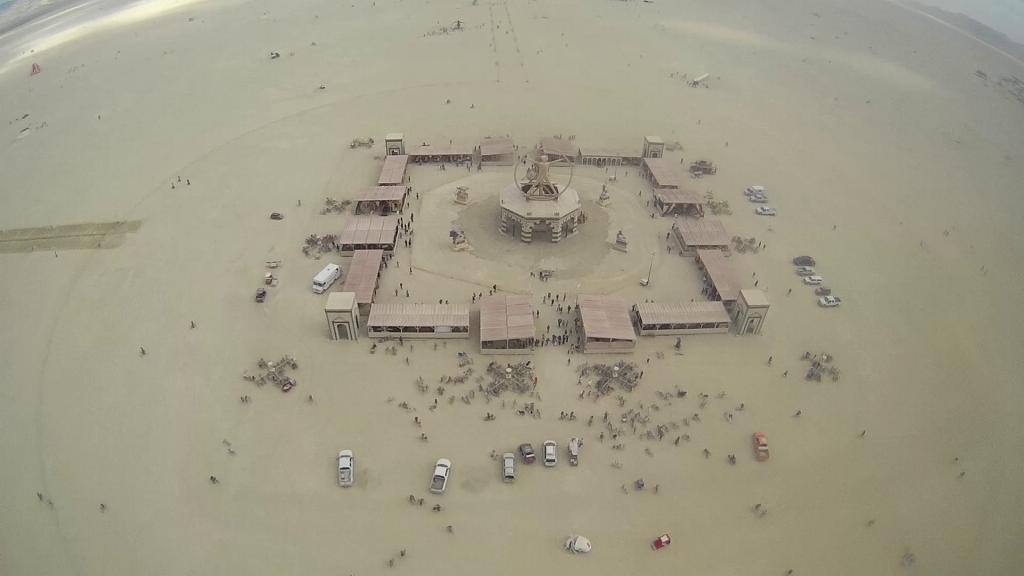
x,y
501,259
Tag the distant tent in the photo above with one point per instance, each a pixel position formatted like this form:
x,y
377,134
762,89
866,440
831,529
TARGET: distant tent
x,y
35,69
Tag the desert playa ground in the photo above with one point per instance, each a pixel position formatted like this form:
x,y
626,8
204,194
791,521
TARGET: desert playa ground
x,y
888,158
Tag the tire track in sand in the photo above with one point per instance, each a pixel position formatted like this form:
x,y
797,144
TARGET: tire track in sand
x,y
515,41
494,46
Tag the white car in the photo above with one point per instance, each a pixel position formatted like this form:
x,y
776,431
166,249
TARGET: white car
x,y
508,467
829,301
758,198
346,468
550,453
442,470
804,271
752,190
813,280
764,211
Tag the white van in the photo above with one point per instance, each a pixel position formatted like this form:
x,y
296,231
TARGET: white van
x,y
326,277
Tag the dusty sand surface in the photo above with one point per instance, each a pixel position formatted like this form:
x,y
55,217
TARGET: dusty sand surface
x,y
887,158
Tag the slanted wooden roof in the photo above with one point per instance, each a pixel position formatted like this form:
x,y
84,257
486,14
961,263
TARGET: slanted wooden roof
x,y
682,313
560,147
679,196
419,315
608,152
665,172
702,232
382,194
362,274
496,146
605,317
506,318
370,229
721,273
441,150
393,172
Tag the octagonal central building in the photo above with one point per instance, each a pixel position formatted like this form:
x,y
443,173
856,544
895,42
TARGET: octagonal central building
x,y
539,205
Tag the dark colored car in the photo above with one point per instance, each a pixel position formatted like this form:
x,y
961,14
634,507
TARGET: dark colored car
x,y
276,216
804,261
526,451
261,294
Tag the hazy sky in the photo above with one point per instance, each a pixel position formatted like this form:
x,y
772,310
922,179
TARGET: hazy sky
x,y
1006,16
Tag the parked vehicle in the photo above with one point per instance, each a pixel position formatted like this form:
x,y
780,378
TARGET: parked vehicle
x,y
574,451
804,271
661,541
823,291
702,167
276,216
758,198
346,468
761,446
550,453
698,80
323,280
804,261
813,280
508,467
829,301
765,211
261,294
442,470
578,544
752,190
526,451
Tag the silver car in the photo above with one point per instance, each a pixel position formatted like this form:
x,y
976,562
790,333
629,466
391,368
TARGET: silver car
x,y
346,468
550,453
829,301
508,466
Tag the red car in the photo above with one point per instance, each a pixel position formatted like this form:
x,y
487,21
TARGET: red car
x,y
761,446
661,541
